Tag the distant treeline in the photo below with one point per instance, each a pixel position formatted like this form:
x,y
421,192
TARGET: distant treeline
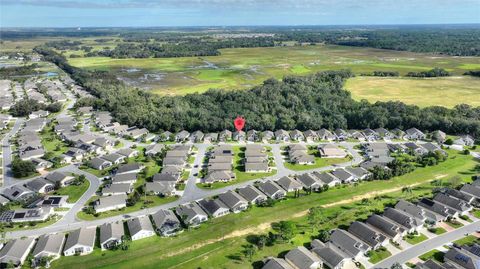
x,y
475,73
190,47
310,102
382,74
436,72
9,72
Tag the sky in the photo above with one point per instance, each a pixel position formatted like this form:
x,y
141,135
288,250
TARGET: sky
x,y
146,13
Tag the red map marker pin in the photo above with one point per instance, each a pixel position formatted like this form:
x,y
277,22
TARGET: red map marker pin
x,y
239,123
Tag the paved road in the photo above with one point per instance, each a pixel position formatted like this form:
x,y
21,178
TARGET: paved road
x,y
425,246
191,193
8,178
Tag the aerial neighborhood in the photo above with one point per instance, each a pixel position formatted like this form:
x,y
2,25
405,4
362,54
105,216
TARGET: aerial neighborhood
x,y
265,147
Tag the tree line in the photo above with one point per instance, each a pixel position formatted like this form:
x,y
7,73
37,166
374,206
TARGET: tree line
x,y
310,102
185,48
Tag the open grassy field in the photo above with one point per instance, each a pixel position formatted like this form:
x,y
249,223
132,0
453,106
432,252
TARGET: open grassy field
x,y
446,91
246,67
219,242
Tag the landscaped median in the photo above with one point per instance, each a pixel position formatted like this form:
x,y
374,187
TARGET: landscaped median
x,y
222,240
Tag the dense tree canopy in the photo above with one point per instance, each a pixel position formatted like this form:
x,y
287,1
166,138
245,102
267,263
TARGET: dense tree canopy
x,y
310,102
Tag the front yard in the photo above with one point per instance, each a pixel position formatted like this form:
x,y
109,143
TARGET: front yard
x,y
415,238
378,255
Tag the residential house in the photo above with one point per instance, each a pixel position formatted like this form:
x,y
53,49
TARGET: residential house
x,y
435,211
332,256
114,158
15,252
277,263
409,223
116,189
60,179
191,214
197,137
267,136
252,135
214,207
129,168
40,185
310,182
301,258
224,136
160,188
310,136
340,134
210,138
154,149
352,246
233,201
456,204
99,163
358,172
386,226
128,153
80,242
461,258
368,235
50,246
108,203
182,136
471,190
166,222
439,136
327,178
111,235
289,184
343,175
414,134
331,151
326,135
140,227
297,135
18,193
252,194
272,190
128,178
282,136
239,136
384,133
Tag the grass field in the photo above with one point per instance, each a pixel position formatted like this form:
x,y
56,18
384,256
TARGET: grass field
x,y
74,192
218,243
415,239
379,255
245,67
423,92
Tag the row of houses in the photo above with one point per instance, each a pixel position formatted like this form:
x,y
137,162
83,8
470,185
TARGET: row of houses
x,y
457,257
296,135
104,121
220,164
346,247
34,194
6,97
115,193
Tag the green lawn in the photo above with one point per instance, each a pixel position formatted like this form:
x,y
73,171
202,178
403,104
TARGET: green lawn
x,y
437,230
476,213
148,202
378,255
432,254
468,240
206,246
319,162
51,142
74,192
415,239
28,226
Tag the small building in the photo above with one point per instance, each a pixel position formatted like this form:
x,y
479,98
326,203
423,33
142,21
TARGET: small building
x,y
272,190
331,151
166,222
99,163
48,246
60,179
80,242
40,185
15,252
233,201
289,184
252,194
111,235
214,207
191,214
108,203
140,227
302,258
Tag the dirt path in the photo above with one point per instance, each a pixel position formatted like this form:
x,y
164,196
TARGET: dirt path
x,y
265,226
